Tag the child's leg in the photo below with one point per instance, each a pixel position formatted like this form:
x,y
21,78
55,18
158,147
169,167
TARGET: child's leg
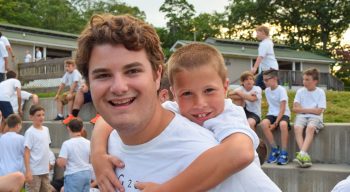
x,y
298,132
59,107
12,182
34,185
309,136
284,134
252,123
265,125
45,183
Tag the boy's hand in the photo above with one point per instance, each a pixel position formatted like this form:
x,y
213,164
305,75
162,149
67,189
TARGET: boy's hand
x,y
105,176
147,186
29,177
273,126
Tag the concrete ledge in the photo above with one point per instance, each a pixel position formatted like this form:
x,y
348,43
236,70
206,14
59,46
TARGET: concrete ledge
x,y
329,146
318,178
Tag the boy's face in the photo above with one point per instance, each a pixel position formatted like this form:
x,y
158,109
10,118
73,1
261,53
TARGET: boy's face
x,y
260,35
309,83
69,68
269,81
38,117
200,93
248,83
123,87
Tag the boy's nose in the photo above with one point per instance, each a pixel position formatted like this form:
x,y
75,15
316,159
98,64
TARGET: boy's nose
x,y
119,85
200,102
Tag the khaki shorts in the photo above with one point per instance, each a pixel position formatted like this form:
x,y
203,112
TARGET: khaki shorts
x,y
40,183
63,97
309,121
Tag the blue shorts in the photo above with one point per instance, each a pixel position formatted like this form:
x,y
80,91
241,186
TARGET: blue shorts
x,y
79,181
6,108
87,97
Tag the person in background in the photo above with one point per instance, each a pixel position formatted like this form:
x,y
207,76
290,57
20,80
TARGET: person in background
x,y
8,46
309,105
28,57
278,116
25,96
4,66
266,56
12,182
38,54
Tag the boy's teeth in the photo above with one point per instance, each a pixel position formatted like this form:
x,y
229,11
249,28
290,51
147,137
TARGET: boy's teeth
x,y
201,115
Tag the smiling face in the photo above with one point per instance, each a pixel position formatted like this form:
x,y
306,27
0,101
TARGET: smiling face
x,y
200,93
123,87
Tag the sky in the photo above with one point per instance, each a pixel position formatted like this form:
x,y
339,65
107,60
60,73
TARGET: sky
x,y
153,16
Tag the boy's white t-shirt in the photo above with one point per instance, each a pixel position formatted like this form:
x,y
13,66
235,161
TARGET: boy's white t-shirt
x,y
8,88
342,186
311,99
77,153
11,153
172,151
69,78
3,53
253,106
38,141
24,97
266,51
274,99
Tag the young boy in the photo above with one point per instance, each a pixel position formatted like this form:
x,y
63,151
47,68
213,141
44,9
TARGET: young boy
x,y
250,96
36,152
75,157
277,116
309,105
12,147
71,78
198,77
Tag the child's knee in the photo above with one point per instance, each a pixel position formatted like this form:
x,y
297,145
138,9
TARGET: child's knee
x,y
265,123
283,125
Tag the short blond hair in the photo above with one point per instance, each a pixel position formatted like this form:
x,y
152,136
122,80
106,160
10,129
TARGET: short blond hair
x,y
69,62
195,55
264,29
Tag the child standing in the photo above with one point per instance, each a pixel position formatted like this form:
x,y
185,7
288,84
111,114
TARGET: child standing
x,y
75,157
71,78
309,105
12,147
36,153
277,116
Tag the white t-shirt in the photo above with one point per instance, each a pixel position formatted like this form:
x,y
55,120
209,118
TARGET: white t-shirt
x,y
3,53
311,99
25,96
5,40
38,55
11,155
173,150
52,160
28,58
274,99
342,186
255,106
38,140
69,78
231,120
266,51
8,89
77,153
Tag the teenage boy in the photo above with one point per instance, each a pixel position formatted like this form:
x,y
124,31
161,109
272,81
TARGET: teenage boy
x,y
36,152
71,78
12,147
309,105
75,157
266,56
277,117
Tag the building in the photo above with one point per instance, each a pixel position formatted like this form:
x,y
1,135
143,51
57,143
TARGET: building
x,y
240,56
53,44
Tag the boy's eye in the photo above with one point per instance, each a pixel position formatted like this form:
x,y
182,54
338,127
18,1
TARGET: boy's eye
x,y
101,76
133,71
209,90
187,93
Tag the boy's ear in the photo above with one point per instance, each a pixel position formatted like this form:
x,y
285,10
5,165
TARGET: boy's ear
x,y
226,84
158,77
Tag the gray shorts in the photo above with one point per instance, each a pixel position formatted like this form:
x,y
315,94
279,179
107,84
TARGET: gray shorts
x,y
309,121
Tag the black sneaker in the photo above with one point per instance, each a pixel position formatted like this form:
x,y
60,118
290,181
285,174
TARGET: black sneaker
x,y
58,118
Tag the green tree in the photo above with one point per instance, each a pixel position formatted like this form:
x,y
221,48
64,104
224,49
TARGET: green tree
x,y
206,25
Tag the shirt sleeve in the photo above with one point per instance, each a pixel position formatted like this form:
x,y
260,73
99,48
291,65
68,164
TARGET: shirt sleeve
x,y
232,120
322,102
28,140
171,106
283,94
297,98
3,50
63,151
258,93
262,50
64,78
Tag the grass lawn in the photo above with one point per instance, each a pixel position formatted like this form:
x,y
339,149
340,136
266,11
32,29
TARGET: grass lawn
x,y
338,108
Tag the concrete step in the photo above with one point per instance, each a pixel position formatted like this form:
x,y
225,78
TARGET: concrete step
x,y
329,146
58,131
318,178
86,113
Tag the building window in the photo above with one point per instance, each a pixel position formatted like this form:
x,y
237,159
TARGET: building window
x,y
285,65
297,66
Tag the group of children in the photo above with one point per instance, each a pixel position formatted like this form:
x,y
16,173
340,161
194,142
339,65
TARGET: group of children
x,y
30,154
309,105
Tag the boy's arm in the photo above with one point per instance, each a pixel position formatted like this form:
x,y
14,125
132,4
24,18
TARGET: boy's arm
x,y
28,175
101,161
256,64
214,165
297,108
61,162
60,87
19,100
73,86
280,114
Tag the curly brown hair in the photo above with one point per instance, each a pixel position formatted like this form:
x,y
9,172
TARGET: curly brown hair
x,y
129,31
